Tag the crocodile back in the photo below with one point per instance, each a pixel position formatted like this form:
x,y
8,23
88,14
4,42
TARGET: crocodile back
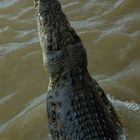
x,y
79,113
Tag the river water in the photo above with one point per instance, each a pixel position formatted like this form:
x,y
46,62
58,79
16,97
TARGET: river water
x,y
110,30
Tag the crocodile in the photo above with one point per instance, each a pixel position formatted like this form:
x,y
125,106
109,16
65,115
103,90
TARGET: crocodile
x,y
77,107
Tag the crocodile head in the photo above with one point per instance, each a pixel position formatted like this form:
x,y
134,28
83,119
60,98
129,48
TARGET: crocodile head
x,y
62,48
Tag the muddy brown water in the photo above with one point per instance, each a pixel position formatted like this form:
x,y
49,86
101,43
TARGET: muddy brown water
x,y
110,30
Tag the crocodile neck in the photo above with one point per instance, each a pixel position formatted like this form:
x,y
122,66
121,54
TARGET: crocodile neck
x,y
58,40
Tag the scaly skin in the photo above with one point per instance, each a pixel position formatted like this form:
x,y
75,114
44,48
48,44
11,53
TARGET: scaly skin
x,y
77,107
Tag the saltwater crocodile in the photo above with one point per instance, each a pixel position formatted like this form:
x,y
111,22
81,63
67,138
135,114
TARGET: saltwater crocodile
x,y
77,107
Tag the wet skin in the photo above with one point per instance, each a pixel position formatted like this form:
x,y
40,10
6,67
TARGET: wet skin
x,y
77,107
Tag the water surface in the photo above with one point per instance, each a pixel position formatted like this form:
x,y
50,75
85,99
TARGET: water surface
x,y
110,30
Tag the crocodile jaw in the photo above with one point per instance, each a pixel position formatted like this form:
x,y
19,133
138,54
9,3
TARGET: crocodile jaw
x,y
53,25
